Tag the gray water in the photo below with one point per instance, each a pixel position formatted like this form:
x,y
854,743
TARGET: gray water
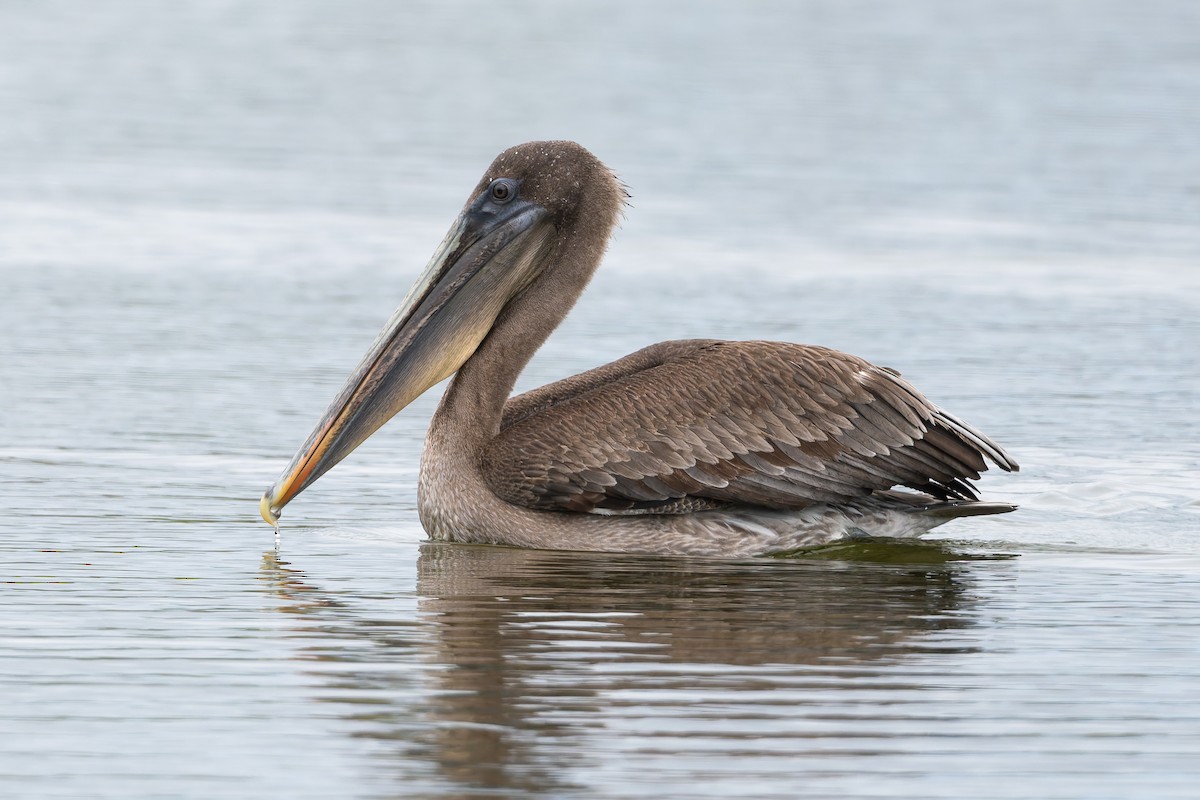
x,y
209,207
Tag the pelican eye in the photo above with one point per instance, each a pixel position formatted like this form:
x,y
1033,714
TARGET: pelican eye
x,y
502,190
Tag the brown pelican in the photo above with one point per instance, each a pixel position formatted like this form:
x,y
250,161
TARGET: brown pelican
x,y
701,447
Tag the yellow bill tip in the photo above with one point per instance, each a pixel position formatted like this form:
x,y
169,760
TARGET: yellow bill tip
x,y
269,512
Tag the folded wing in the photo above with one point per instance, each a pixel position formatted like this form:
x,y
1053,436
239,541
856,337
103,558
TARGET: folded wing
x,y
695,424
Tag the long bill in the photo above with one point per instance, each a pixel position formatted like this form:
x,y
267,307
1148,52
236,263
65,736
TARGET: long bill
x,y
489,256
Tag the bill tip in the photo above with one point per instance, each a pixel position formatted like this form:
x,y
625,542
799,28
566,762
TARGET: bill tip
x,y
269,512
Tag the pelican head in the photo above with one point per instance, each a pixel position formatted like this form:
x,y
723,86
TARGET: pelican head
x,y
506,239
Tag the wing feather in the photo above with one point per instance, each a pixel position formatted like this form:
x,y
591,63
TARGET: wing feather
x,y
689,424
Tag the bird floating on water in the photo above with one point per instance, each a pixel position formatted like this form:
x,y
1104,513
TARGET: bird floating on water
x,y
699,446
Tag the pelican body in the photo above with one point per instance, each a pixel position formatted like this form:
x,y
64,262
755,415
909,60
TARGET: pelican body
x,y
699,447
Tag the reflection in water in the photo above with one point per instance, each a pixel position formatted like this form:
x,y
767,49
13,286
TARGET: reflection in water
x,y
523,668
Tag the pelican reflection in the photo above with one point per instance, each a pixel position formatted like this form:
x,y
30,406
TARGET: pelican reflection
x,y
517,661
